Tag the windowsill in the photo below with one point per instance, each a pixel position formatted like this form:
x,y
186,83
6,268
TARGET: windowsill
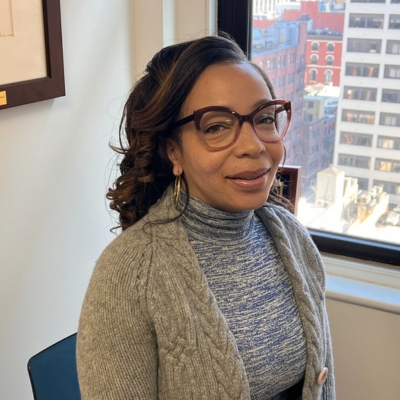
x,y
362,283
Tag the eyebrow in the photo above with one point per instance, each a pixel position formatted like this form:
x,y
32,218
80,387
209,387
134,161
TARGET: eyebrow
x,y
262,102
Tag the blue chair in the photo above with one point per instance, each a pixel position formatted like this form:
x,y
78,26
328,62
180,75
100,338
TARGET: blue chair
x,y
53,372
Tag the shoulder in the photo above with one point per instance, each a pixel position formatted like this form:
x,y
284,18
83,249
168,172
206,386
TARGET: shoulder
x,y
134,247
293,242
278,219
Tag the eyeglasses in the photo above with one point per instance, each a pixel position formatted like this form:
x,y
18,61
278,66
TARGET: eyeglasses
x,y
219,127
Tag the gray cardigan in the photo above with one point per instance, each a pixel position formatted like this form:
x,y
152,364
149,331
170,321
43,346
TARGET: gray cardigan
x,y
150,327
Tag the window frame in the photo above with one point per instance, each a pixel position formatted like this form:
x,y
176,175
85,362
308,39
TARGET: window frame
x,y
235,18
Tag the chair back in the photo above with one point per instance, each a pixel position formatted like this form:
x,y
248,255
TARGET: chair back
x,y
53,372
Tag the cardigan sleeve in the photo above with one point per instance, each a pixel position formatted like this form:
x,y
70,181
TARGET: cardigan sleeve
x,y
116,346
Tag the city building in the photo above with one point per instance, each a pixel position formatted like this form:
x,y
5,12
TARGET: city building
x,y
367,143
324,39
279,50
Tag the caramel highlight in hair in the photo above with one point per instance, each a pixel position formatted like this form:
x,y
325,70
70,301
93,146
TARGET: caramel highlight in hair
x,y
147,124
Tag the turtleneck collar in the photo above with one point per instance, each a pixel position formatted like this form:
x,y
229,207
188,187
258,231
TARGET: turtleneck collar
x,y
207,223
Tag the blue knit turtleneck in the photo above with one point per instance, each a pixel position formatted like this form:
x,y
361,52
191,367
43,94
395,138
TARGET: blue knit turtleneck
x,y
253,290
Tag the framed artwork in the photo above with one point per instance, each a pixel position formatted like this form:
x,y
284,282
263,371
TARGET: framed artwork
x,y
289,179
31,67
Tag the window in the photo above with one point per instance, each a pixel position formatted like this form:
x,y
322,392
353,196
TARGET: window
x,y
390,96
367,70
387,142
393,47
387,165
349,160
356,139
359,93
314,59
368,1
315,46
359,137
362,183
392,71
330,47
364,45
328,76
329,60
388,187
394,21
360,117
389,119
373,21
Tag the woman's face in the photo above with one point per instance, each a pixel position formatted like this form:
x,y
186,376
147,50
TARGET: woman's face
x,y
240,177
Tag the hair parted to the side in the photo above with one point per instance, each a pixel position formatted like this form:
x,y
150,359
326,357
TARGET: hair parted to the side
x,y
147,124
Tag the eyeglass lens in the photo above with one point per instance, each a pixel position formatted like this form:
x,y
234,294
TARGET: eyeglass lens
x,y
219,128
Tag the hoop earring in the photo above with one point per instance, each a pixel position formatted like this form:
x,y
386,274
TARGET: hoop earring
x,y
177,189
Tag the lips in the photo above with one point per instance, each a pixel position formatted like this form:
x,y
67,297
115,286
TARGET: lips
x,y
251,181
249,175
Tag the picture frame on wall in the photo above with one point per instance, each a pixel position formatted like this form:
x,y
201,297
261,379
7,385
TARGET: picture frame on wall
x,y
31,54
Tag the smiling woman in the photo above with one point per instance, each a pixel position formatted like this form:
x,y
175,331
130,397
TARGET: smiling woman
x,y
213,289
239,176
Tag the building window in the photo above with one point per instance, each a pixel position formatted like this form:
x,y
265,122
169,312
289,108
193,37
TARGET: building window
x,y
364,45
387,165
328,76
313,75
356,43
392,71
330,47
387,142
314,59
360,117
329,60
394,21
372,21
390,96
388,187
359,93
367,70
315,46
389,119
356,139
349,160
362,183
393,47
368,1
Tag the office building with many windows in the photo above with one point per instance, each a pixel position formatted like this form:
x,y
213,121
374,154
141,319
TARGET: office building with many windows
x,y
367,145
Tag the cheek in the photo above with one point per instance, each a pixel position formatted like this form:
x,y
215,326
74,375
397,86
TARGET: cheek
x,y
207,164
276,152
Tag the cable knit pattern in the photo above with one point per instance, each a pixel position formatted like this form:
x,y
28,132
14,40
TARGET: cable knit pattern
x,y
247,276
150,326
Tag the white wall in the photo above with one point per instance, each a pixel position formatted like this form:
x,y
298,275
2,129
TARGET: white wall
x,y
366,350
55,167
54,171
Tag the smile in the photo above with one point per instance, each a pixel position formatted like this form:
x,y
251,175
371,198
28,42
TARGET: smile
x,y
250,175
250,180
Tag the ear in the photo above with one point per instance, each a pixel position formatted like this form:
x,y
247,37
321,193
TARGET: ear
x,y
174,153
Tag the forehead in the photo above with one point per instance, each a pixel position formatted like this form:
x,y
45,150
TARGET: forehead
x,y
238,86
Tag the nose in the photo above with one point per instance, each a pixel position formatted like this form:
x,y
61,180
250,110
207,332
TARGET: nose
x,y
248,142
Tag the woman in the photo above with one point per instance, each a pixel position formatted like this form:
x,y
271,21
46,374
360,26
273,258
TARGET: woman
x,y
213,290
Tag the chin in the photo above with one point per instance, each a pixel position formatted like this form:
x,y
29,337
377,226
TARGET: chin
x,y
252,204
